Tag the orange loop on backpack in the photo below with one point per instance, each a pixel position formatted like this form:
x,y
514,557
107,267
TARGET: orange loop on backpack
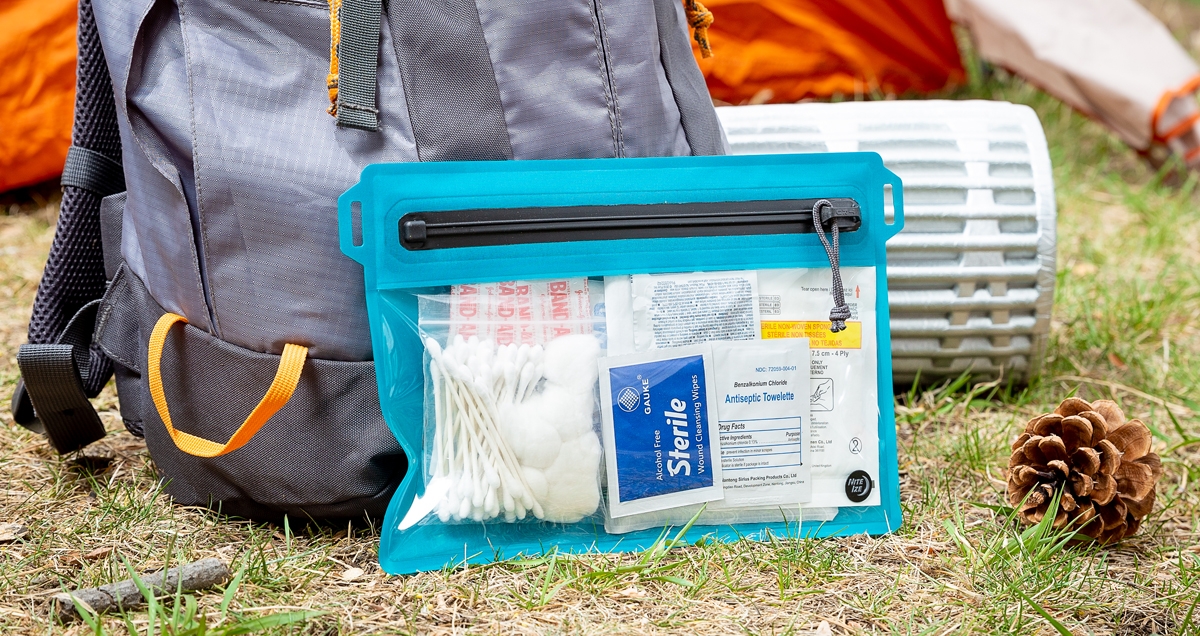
x,y
1164,102
335,39
291,363
699,18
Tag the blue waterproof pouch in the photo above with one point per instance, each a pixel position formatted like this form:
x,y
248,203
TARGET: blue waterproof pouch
x,y
420,228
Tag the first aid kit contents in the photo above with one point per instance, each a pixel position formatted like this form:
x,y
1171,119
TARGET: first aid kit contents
x,y
778,305
575,354
759,454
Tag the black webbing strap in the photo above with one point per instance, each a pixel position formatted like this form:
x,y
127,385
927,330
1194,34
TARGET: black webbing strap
x,y
93,172
358,62
54,376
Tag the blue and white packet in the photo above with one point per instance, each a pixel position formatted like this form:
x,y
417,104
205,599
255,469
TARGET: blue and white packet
x,y
660,431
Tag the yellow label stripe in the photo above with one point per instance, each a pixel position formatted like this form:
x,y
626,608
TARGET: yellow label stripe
x,y
817,331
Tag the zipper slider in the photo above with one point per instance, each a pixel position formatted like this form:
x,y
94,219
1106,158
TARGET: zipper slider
x,y
414,232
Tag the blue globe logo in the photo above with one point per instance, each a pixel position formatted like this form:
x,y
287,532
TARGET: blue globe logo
x,y
628,398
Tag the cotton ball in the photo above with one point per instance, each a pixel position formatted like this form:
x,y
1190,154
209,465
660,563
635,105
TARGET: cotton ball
x,y
571,408
573,484
536,480
571,361
542,446
531,434
515,435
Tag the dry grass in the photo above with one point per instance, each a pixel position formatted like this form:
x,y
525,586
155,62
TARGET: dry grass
x,y
1128,292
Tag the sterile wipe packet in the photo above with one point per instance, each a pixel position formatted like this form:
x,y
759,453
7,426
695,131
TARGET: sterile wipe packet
x,y
844,443
659,428
763,412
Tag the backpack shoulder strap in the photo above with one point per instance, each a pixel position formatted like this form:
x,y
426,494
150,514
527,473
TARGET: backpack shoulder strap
x,y
60,366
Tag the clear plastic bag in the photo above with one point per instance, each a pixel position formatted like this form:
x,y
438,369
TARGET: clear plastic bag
x,y
511,405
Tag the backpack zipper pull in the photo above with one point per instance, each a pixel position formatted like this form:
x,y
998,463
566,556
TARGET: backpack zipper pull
x,y
841,311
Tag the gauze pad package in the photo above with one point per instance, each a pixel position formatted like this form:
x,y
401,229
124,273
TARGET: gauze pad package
x,y
843,388
574,354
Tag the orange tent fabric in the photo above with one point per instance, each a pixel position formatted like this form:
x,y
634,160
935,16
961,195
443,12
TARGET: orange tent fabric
x,y
766,50
37,89
788,50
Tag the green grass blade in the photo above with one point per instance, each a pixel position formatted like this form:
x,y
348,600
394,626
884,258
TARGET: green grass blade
x,y
89,617
264,623
1054,622
231,590
1187,618
151,601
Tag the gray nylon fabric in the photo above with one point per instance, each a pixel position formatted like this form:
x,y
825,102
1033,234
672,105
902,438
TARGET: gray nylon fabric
x,y
234,167
453,100
326,454
158,242
117,334
268,165
112,215
358,53
92,171
648,114
696,113
551,76
117,327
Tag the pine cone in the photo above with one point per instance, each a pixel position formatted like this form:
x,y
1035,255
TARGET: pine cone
x,y
1101,463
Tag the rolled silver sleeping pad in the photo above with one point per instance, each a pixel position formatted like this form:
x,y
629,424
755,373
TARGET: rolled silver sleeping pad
x,y
971,277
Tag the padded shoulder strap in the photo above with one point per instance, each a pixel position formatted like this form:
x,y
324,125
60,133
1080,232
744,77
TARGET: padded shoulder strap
x,y
60,367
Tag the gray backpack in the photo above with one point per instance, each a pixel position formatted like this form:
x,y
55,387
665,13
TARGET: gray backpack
x,y
196,255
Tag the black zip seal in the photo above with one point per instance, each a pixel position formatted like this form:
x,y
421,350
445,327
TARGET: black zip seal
x,y
510,226
822,214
